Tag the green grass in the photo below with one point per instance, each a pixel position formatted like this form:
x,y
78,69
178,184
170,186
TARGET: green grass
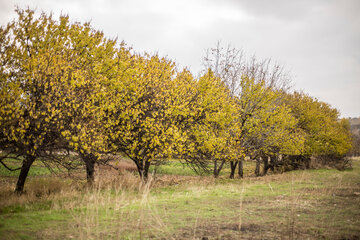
x,y
173,168
178,168
310,204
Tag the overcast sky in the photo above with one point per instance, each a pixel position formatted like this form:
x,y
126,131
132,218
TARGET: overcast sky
x,y
317,40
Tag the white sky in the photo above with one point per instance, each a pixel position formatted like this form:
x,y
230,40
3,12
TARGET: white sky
x,y
317,40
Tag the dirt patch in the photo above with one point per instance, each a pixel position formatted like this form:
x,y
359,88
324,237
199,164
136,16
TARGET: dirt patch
x,y
341,192
354,237
224,231
173,180
251,227
347,192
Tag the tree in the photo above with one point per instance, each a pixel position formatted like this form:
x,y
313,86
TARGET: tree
x,y
52,89
355,150
91,62
254,86
325,135
210,134
29,119
144,117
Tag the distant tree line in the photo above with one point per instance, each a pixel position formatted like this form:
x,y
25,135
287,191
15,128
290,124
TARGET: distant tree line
x,y
355,132
66,89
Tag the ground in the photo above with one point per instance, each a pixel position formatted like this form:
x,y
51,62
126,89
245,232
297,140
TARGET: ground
x,y
177,204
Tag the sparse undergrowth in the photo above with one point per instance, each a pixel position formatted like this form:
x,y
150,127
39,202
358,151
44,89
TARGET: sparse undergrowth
x,y
309,204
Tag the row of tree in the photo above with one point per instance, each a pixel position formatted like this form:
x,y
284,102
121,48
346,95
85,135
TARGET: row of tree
x,y
66,90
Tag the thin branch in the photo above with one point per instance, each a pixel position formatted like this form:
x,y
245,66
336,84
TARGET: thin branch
x,y
8,168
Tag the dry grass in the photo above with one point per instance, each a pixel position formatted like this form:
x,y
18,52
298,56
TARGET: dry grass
x,y
37,189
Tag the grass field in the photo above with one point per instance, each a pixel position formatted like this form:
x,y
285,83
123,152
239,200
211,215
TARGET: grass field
x,y
177,204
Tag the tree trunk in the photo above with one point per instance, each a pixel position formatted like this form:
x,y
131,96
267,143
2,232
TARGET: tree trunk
x,y
143,168
139,167
266,165
307,162
146,170
257,168
273,162
241,168
89,160
90,170
217,170
233,168
27,162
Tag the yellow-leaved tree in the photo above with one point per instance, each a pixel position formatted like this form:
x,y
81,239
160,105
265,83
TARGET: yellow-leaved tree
x,y
91,63
326,136
30,92
147,109
53,80
210,136
260,120
267,127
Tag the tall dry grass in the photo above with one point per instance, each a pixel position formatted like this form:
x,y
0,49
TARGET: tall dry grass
x,y
102,211
37,189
